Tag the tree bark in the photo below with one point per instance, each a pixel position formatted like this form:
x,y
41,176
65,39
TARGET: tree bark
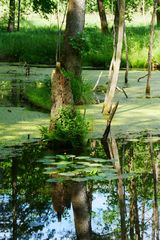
x,y
116,64
148,89
102,15
61,94
11,20
71,59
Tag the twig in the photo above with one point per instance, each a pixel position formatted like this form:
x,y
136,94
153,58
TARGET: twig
x,y
142,77
122,90
99,77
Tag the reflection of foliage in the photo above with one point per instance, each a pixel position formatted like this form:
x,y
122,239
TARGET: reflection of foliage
x,y
31,199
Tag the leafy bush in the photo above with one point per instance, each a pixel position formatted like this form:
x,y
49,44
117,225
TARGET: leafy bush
x,y
70,130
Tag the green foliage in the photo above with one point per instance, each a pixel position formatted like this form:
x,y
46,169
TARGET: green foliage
x,y
99,48
39,96
82,90
71,129
34,45
38,45
79,43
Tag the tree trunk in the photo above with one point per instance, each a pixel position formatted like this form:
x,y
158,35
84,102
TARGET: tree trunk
x,y
158,12
11,20
148,90
127,62
19,15
81,211
102,15
116,65
61,94
71,59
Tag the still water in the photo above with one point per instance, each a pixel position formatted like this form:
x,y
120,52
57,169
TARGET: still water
x,y
110,190
36,204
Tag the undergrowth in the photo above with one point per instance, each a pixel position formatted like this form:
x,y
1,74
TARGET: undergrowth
x,y
37,44
70,130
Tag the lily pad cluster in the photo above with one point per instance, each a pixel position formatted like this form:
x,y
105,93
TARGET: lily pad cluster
x,y
78,168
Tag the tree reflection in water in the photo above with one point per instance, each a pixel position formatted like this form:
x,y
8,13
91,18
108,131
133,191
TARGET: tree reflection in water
x,y
124,208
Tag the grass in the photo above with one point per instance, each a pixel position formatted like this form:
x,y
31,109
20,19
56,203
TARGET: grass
x,y
37,44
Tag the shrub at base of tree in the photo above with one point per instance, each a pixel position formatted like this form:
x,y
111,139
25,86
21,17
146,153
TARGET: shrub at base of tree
x,y
70,131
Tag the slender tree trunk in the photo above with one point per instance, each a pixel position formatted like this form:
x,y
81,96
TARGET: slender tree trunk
x,y
81,211
14,198
19,15
115,33
155,188
158,12
143,7
71,60
11,20
148,90
113,151
102,15
127,61
134,216
111,91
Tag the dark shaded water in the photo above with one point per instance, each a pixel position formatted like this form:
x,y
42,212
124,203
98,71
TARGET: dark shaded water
x,y
34,207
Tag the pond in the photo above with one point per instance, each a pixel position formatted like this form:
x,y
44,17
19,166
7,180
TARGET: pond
x,y
112,203
109,190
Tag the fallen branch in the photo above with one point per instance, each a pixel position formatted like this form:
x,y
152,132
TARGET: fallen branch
x,y
99,77
142,77
122,90
111,115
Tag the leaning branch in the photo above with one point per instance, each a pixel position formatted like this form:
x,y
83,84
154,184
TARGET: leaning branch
x,y
109,121
142,77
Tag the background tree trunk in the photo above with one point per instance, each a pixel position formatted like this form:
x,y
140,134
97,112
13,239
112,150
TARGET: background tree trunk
x,y
71,59
158,12
148,89
127,61
11,20
19,15
102,15
116,65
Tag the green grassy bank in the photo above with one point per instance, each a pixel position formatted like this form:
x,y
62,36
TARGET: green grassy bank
x,y
38,45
